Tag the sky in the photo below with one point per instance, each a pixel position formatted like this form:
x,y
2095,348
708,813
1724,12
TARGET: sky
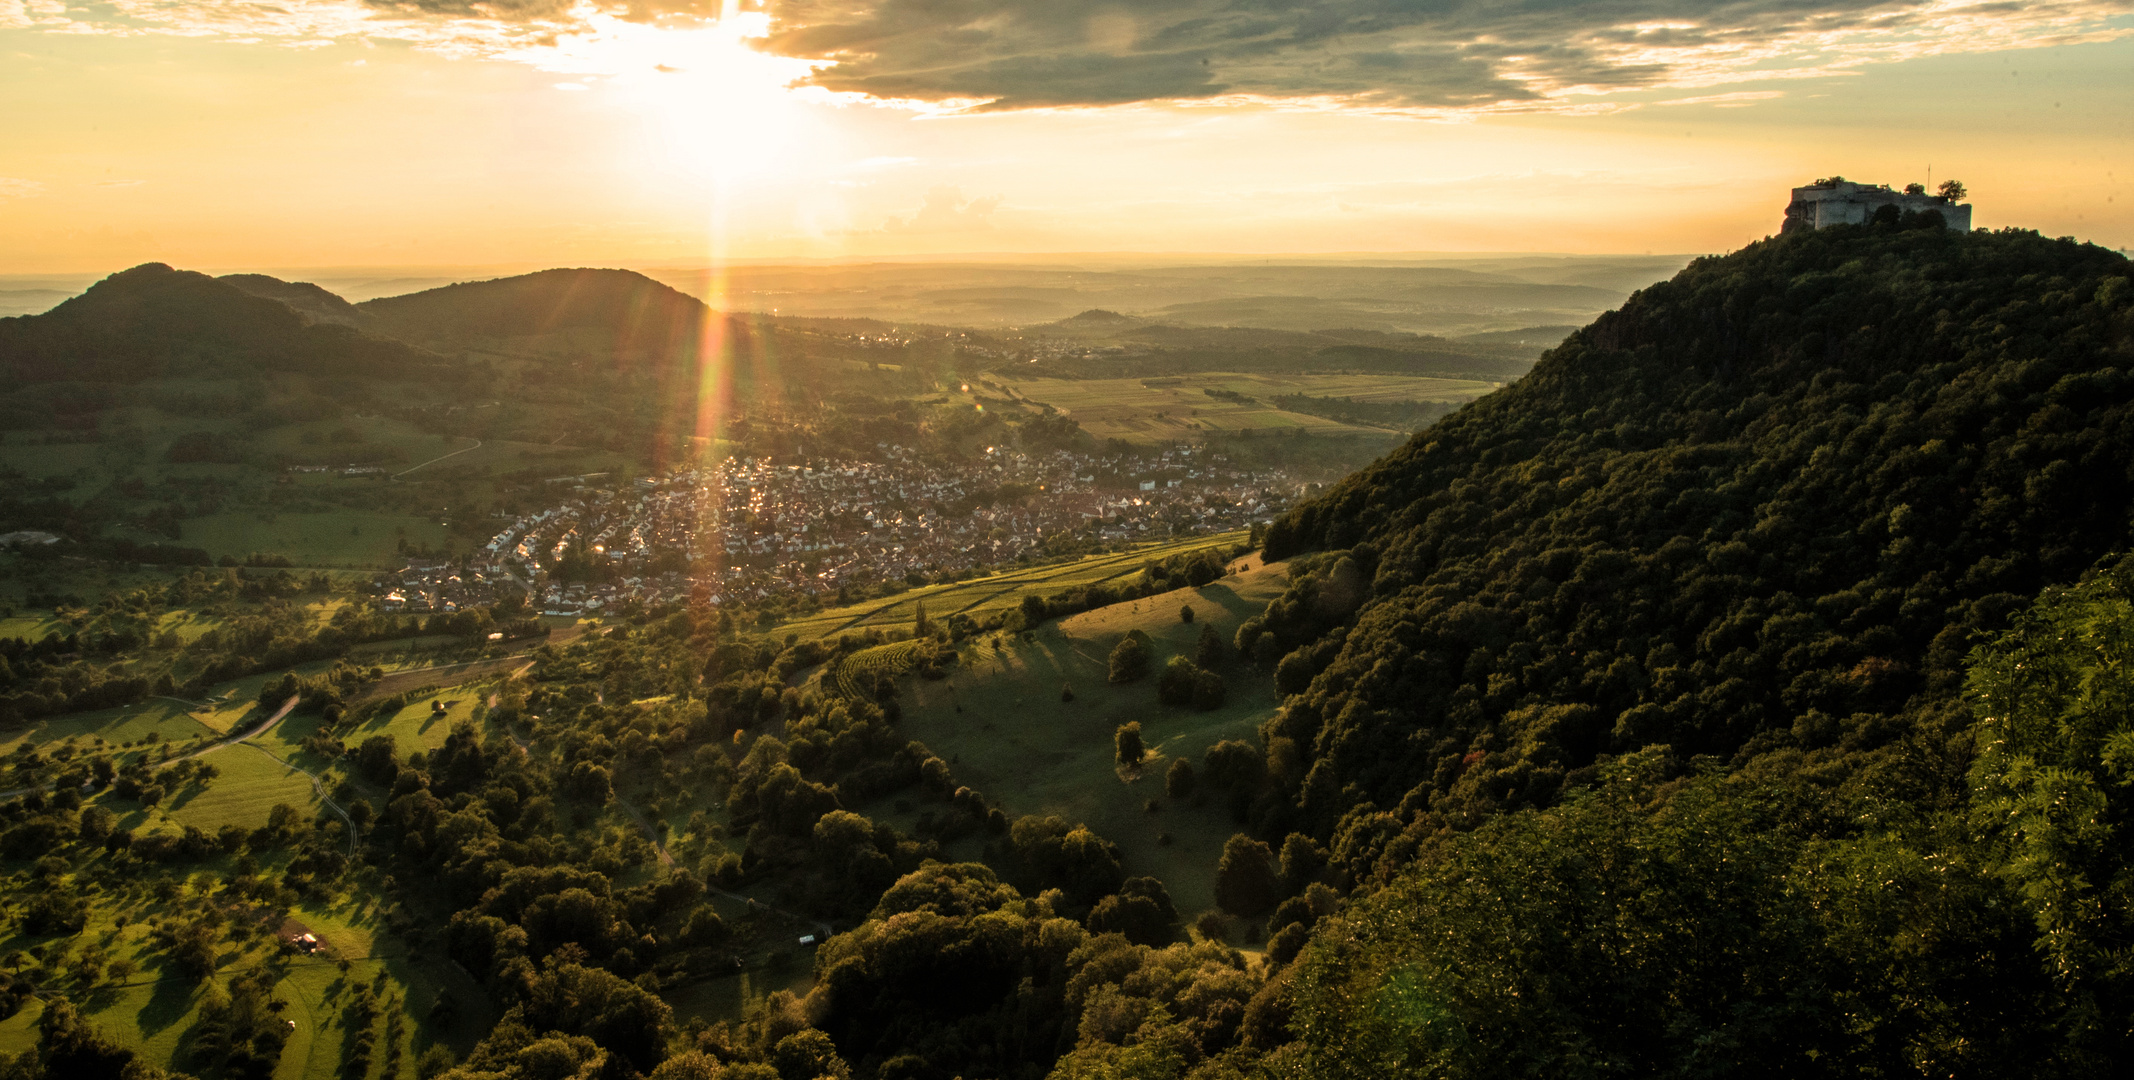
x,y
248,134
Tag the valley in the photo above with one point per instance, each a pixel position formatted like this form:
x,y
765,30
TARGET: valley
x,y
967,702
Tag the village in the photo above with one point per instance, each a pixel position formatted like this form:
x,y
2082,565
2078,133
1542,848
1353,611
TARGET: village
x,y
743,530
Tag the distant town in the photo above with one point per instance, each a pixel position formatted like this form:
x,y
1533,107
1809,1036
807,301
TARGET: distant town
x,y
744,530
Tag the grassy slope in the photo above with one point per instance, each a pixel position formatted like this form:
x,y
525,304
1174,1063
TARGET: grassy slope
x,y
170,720
1017,742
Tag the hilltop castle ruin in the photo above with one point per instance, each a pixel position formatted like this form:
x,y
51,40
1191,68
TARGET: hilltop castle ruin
x,y
1838,201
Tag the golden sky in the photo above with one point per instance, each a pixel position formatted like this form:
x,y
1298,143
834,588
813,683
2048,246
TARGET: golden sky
x,y
234,134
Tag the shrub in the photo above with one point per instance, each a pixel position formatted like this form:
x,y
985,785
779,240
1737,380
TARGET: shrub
x,y
1208,691
1142,910
1213,925
1178,779
1185,613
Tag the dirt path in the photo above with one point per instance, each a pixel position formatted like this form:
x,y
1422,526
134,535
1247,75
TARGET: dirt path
x,y
477,445
318,787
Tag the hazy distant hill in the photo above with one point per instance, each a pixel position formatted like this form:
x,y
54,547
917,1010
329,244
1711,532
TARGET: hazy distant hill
x,y
311,301
153,320
636,314
29,301
1451,295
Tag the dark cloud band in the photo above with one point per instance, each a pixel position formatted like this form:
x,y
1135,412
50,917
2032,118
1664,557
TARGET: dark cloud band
x,y
1414,53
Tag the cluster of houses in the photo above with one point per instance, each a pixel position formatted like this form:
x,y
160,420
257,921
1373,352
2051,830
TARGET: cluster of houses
x,y
745,529
437,586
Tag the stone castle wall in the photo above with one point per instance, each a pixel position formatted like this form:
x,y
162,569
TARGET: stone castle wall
x,y
1842,202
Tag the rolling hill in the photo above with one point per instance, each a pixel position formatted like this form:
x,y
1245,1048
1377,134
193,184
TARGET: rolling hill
x,y
635,315
154,321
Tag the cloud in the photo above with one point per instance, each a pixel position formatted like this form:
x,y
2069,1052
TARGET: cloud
x,y
1413,54
1427,56
11,188
946,211
539,32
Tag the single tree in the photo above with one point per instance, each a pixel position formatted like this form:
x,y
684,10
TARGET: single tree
x,y
1245,881
1208,652
1185,613
1302,860
1952,191
921,628
1127,742
1129,660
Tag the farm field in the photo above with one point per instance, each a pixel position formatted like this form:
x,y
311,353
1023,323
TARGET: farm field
x,y
999,721
1175,407
335,538
999,592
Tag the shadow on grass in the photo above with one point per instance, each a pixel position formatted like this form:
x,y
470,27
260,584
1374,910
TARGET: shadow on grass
x,y
171,1002
1225,597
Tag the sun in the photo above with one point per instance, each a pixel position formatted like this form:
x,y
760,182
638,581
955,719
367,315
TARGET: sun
x,y
720,109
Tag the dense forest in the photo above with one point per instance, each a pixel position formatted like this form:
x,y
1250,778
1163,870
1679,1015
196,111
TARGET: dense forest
x,y
1737,540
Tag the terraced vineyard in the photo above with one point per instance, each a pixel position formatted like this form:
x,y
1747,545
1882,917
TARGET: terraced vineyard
x,y
981,596
854,676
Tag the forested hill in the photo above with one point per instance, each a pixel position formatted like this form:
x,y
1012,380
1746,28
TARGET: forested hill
x,y
154,321
640,314
1765,508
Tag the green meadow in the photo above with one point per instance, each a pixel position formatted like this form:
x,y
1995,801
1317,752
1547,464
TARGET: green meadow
x,y
250,784
334,538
